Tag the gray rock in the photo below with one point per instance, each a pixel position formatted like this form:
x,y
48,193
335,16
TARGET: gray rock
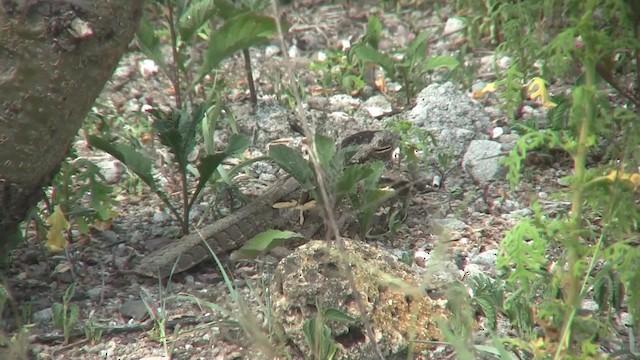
x,y
590,305
442,105
112,170
451,117
160,218
98,292
271,51
485,258
452,29
520,213
441,226
482,160
342,102
134,309
473,270
267,177
137,237
377,105
109,236
44,316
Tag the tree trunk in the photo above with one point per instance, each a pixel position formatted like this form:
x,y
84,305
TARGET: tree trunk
x,y
55,57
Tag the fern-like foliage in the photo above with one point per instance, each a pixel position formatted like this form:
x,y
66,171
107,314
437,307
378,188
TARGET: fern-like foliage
x,y
487,297
533,140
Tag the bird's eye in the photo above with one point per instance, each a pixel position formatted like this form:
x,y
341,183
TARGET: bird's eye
x,y
395,155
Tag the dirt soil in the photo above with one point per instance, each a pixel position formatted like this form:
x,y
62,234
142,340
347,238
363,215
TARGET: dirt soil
x,y
108,296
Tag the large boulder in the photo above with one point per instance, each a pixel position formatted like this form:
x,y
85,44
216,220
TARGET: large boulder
x,y
399,311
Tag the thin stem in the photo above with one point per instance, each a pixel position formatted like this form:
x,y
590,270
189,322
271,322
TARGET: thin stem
x,y
573,244
185,203
176,57
252,87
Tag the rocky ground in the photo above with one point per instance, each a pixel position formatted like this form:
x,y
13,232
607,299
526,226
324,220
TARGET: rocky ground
x,y
465,217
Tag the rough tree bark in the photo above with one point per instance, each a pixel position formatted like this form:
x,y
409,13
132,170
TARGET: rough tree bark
x,y
55,57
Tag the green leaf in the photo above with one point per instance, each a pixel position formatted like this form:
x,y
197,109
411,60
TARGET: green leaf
x,y
441,61
209,123
134,160
308,329
237,144
367,54
4,296
83,226
177,131
338,315
68,294
377,168
352,83
373,198
240,32
73,316
497,352
417,48
326,150
344,156
367,204
523,252
351,176
206,168
197,14
229,9
262,243
149,43
374,32
57,311
293,163
322,344
329,347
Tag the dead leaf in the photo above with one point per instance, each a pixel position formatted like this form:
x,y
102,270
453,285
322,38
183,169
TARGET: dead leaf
x,y
62,268
285,204
58,224
488,89
537,91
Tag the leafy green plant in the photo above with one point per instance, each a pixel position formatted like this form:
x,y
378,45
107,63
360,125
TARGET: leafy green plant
x,y
4,297
552,263
92,331
318,335
228,27
79,180
356,184
79,197
243,317
339,176
338,74
416,144
406,67
15,345
66,314
158,314
177,131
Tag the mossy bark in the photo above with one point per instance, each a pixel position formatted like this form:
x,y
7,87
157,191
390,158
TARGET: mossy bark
x,y
55,57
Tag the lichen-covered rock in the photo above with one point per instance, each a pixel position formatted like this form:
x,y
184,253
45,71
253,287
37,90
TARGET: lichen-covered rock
x,y
398,310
